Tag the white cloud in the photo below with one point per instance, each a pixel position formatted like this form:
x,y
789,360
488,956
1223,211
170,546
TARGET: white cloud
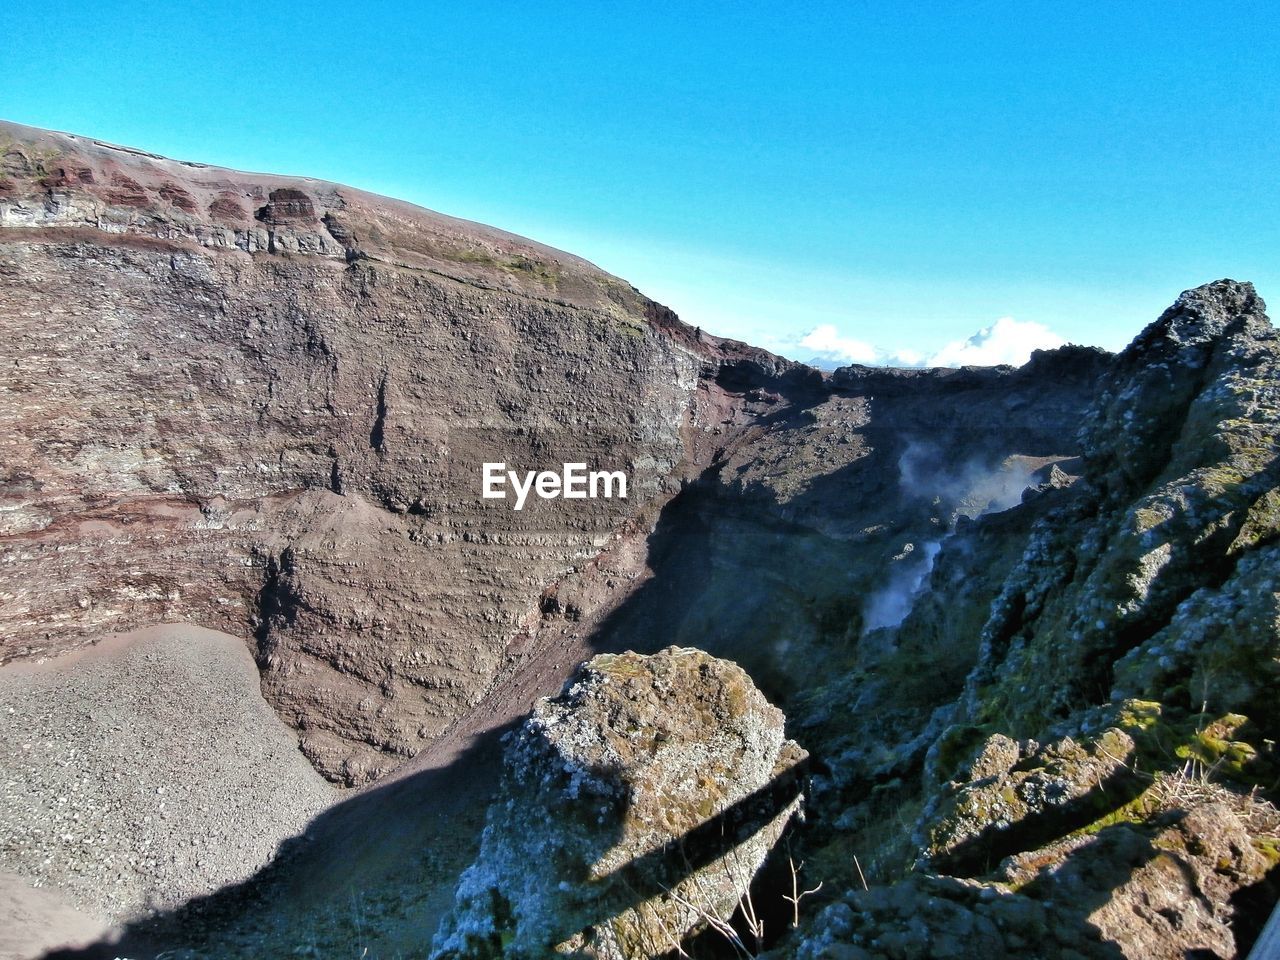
x,y
904,358
828,344
1005,341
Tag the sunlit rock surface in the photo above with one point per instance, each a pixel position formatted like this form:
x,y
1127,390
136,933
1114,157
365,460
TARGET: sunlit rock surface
x,y
634,806
1025,620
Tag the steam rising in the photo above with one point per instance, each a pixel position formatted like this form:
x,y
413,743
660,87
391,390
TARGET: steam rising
x,y
889,605
970,490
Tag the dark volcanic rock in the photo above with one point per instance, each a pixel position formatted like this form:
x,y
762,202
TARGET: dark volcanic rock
x,y
290,448
287,206
1163,893
1179,472
1026,619
1099,780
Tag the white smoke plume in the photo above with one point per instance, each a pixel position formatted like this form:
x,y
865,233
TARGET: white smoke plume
x,y
970,489
889,605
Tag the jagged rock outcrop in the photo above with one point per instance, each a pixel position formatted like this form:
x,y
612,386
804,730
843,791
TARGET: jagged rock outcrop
x,y
1010,793
1180,467
636,804
1093,787
1034,662
1165,886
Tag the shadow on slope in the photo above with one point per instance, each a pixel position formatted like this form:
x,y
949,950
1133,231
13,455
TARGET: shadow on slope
x,y
372,873
332,892
734,571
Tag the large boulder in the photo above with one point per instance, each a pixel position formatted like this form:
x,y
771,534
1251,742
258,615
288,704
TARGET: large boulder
x,y
635,807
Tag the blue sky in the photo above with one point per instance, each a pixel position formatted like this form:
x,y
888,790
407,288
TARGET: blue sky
x,y
894,176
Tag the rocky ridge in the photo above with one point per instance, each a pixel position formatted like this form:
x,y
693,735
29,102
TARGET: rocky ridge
x,y
217,415
1096,782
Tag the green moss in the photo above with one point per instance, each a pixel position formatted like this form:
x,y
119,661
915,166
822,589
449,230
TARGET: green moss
x,y
1254,458
1221,478
516,264
1218,752
630,326
618,665
42,159
1269,847
958,745
1229,747
1112,743
879,849
1136,811
1138,716
1144,519
535,269
1260,523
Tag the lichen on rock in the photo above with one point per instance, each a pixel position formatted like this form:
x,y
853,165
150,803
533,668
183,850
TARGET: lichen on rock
x,y
1014,795
635,805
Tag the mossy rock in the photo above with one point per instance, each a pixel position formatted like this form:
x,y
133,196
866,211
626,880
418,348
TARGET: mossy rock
x,y
637,802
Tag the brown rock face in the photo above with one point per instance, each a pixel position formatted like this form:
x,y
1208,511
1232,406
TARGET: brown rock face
x,y
1032,657
227,209
276,427
125,192
178,197
291,449
288,206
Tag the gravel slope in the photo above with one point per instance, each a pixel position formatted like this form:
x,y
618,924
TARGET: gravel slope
x,y
146,770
